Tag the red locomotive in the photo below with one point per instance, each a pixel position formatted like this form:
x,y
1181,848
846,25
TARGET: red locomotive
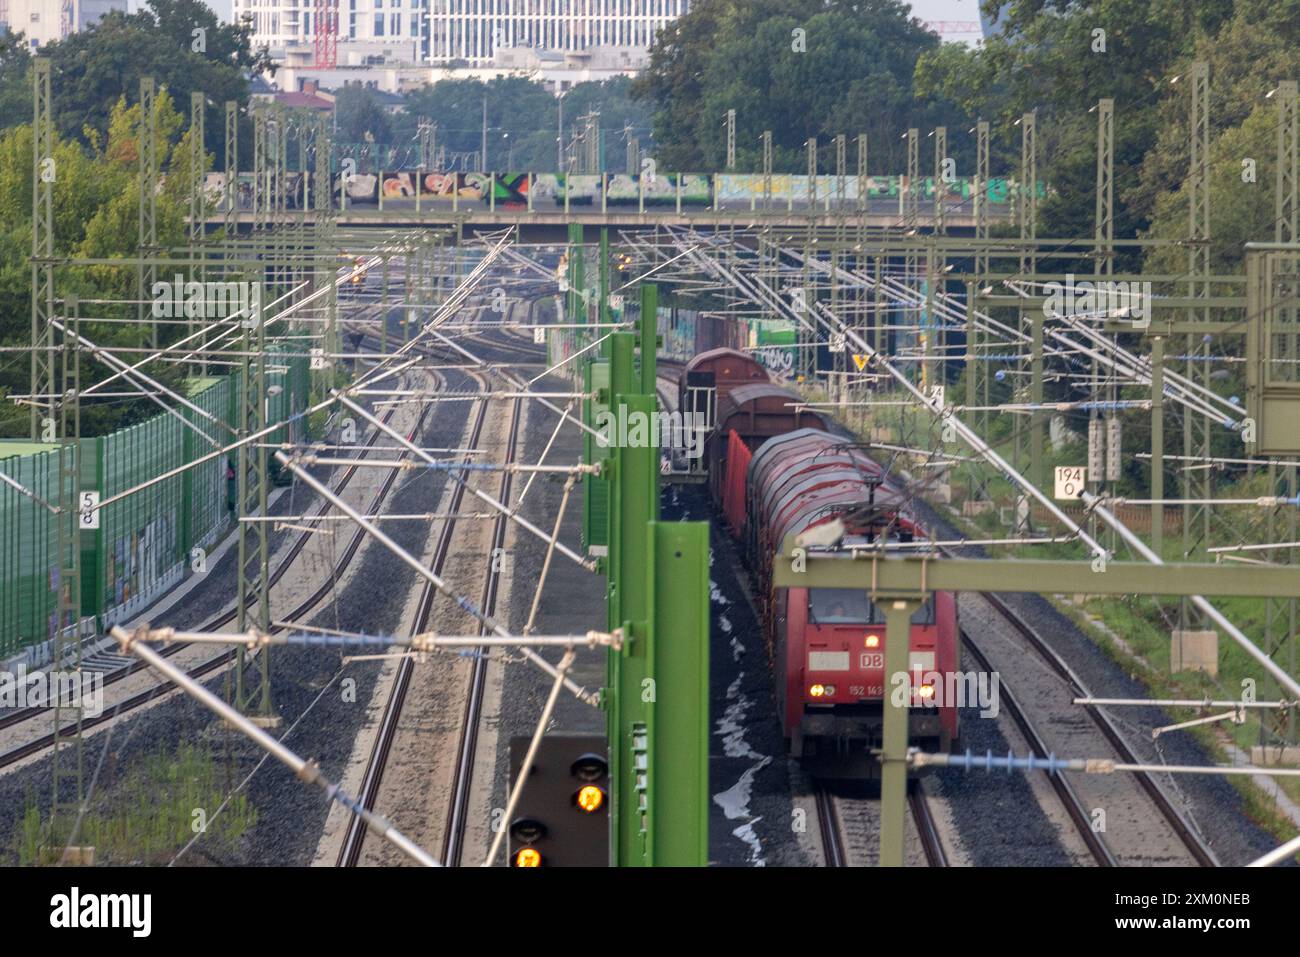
x,y
776,470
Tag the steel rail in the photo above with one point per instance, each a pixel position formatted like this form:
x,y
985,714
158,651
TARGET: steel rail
x,y
350,852
1187,834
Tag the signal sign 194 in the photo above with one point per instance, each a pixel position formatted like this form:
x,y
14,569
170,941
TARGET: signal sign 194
x,y
1070,481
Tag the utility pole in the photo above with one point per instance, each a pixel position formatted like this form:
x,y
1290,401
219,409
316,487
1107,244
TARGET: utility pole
x,y
44,174
198,166
483,153
863,182
147,237
767,169
1104,233
1028,211
841,172
812,176
426,144
1280,622
731,140
595,159
53,393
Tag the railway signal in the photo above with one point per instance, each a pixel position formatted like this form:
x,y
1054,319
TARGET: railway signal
x,y
563,814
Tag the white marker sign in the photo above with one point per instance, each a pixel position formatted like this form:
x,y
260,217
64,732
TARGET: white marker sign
x,y
88,510
1070,481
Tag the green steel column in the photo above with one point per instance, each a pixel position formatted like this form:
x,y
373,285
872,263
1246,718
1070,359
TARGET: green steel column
x,y
656,697
893,757
604,311
622,378
631,685
649,331
679,652
633,486
595,489
575,307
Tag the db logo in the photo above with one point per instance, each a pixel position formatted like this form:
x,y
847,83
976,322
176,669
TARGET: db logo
x,y
872,661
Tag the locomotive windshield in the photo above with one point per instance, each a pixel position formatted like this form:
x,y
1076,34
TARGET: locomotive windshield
x,y
842,606
849,606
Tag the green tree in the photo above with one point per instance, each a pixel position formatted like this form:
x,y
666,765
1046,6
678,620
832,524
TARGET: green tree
x,y
180,43
360,116
15,81
95,210
810,68
522,120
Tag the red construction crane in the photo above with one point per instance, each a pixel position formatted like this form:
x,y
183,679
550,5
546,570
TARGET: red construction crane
x,y
327,33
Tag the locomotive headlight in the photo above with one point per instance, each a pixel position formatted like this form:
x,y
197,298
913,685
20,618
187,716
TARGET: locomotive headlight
x,y
926,691
873,641
830,690
817,690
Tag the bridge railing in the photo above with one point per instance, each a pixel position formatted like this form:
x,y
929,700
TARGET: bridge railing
x,y
780,193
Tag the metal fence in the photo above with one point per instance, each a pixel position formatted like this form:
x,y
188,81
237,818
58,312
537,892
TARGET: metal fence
x,y
145,540
29,566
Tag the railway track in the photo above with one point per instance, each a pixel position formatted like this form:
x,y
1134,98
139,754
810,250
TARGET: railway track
x,y
850,827
1098,846
926,826
828,820
354,838
453,845
127,668
1065,791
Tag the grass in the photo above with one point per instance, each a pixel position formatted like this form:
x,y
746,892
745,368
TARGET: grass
x,y
151,813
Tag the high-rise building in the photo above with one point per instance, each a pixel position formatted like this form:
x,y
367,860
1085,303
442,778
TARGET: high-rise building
x,y
475,30
559,42
44,21
398,27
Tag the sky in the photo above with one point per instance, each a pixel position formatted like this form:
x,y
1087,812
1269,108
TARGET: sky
x,y
925,9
